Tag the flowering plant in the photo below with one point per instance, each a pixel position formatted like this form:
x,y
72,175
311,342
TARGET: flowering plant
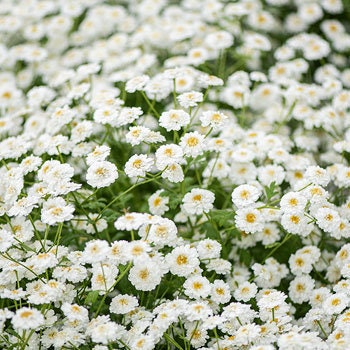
x,y
174,175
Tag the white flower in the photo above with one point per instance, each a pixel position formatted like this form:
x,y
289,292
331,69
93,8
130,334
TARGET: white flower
x,y
183,260
27,318
163,232
101,174
174,173
300,263
300,288
245,195
197,287
198,201
95,251
100,153
6,240
245,291
75,312
123,303
138,165
213,119
208,249
293,201
296,222
128,114
317,175
335,303
193,144
174,119
249,220
167,155
190,99
327,219
130,221
145,275
136,83
220,292
56,210
157,203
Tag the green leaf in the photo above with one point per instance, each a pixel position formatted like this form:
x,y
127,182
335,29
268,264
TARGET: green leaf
x,y
222,217
110,215
174,201
271,191
245,257
92,297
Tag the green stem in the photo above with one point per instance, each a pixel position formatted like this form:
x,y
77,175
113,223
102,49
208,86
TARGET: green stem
x,y
285,239
111,288
150,105
122,194
322,329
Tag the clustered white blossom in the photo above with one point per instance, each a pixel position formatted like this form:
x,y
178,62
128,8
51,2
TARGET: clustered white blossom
x,y
174,174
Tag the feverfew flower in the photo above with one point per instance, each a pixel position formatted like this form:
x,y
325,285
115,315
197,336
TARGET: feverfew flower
x,y
293,201
6,240
27,318
197,287
56,210
138,165
136,83
300,288
249,220
327,219
198,201
182,261
157,203
190,99
101,174
123,303
296,222
245,195
100,153
174,119
193,144
245,291
167,155
336,303
145,275
213,119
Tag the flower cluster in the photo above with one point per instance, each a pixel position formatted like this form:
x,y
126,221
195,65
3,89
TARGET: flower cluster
x,y
174,174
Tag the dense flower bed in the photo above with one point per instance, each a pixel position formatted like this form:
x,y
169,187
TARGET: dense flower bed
x,y
174,174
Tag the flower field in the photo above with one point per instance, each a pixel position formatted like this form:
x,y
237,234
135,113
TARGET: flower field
x,y
175,175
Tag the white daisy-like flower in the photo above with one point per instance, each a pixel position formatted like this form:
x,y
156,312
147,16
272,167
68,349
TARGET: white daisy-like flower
x,y
174,119
101,174
293,201
327,219
197,287
190,99
183,260
245,291
193,144
249,220
336,303
245,195
27,318
213,119
296,222
123,303
56,210
198,201
145,275
138,165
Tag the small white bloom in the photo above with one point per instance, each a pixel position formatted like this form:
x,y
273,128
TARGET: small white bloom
x,y
101,174
198,201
